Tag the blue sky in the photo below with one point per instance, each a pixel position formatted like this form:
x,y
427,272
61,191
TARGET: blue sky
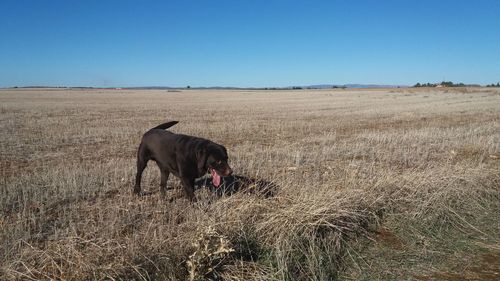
x,y
247,43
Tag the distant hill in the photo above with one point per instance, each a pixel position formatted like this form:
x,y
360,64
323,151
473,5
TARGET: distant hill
x,y
319,86
353,86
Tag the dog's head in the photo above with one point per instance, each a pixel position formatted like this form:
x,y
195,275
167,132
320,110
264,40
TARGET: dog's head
x,y
214,157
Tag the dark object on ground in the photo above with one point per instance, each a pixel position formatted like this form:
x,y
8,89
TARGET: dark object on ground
x,y
186,157
235,183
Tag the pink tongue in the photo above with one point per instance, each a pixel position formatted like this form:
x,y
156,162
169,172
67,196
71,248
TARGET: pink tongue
x,y
215,178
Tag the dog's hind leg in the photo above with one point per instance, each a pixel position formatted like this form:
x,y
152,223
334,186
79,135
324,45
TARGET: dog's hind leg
x,y
164,178
142,161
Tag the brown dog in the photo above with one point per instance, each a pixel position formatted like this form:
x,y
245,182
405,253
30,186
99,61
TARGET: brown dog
x,y
186,157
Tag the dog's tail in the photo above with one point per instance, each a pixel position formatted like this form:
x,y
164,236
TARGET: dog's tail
x,y
165,125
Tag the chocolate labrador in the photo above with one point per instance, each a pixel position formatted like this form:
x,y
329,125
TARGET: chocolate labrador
x,y
186,157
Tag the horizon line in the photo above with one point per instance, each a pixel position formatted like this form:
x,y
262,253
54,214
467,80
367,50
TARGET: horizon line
x,y
310,86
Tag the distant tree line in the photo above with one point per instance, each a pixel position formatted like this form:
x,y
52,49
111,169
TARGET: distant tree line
x,y
418,85
442,84
493,85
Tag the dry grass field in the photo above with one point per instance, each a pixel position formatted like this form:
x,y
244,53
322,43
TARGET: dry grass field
x,y
371,185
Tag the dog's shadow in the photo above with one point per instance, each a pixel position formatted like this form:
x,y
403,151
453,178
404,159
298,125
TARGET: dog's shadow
x,y
236,183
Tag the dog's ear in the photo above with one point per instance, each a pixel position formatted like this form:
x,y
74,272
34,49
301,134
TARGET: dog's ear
x,y
201,158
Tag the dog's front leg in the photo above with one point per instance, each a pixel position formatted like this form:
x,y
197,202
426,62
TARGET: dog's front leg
x,y
188,184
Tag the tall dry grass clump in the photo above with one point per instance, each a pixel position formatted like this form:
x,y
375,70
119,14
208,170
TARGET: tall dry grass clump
x,y
343,163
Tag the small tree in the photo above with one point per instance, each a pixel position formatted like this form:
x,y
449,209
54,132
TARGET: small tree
x,y
447,84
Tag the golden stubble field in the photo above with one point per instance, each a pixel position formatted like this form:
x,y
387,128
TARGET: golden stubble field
x,y
351,166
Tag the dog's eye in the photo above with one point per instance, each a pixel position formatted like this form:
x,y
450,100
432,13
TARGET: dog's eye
x,y
218,162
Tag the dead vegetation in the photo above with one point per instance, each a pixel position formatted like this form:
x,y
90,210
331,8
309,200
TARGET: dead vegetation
x,y
348,163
